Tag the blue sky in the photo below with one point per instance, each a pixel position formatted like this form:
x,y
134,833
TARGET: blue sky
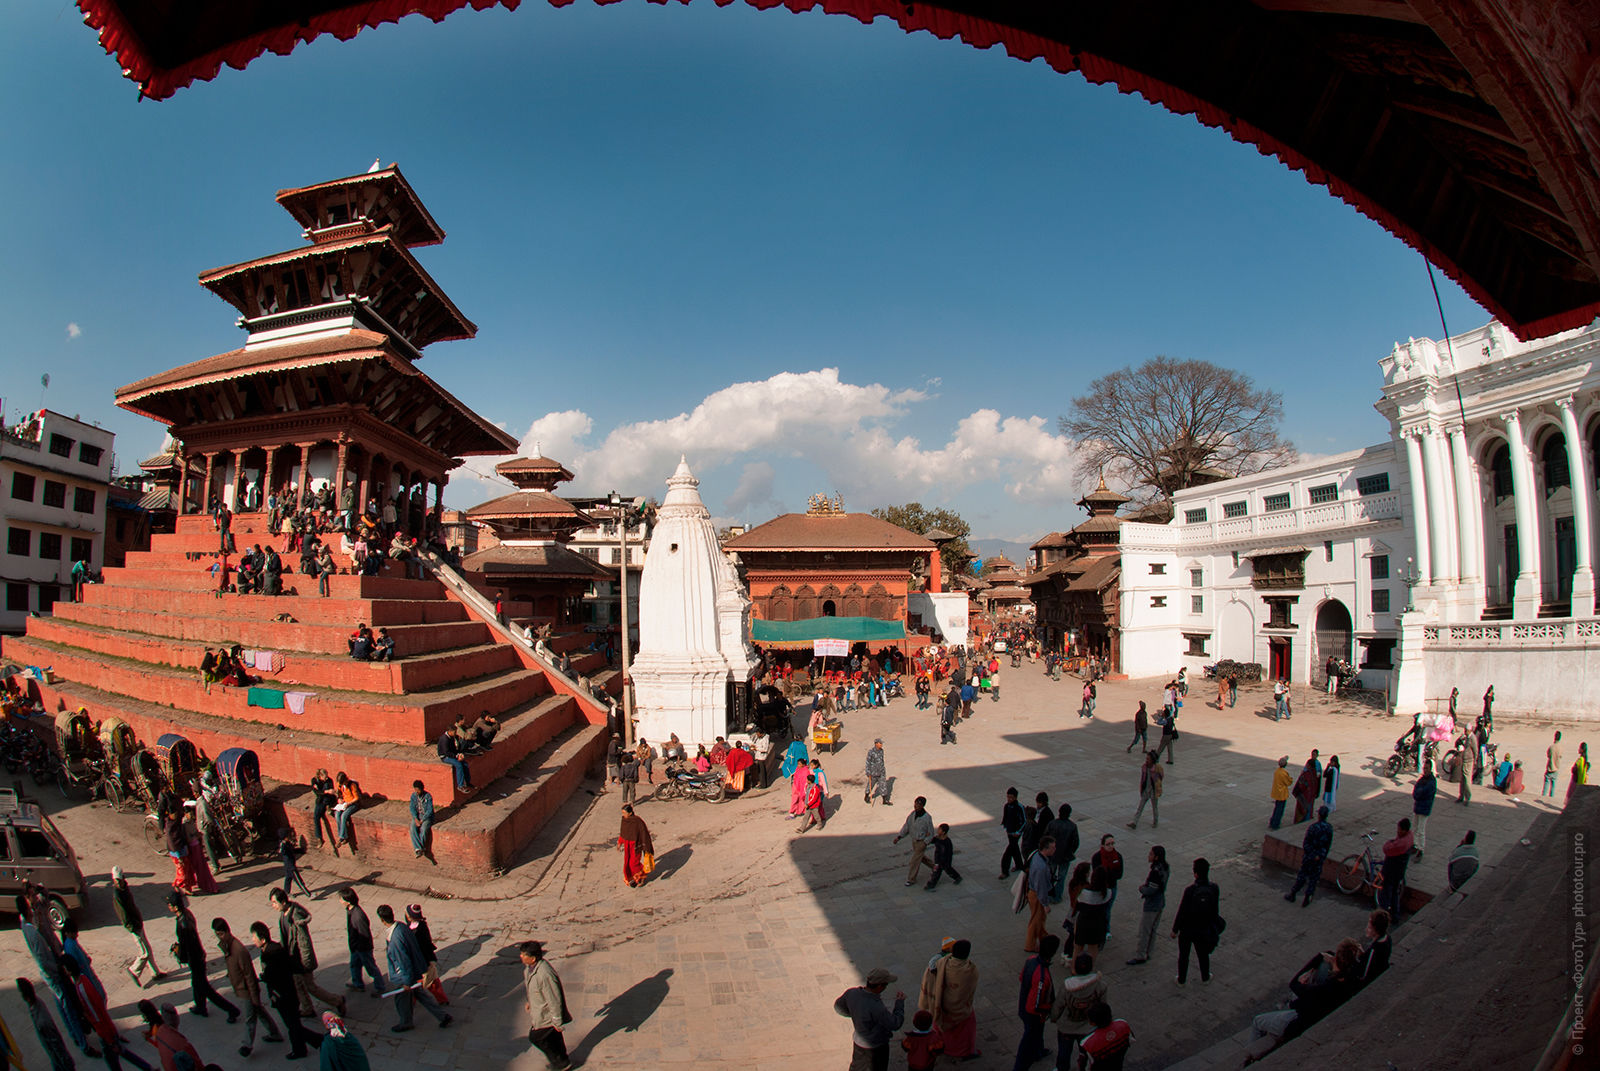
x,y
811,254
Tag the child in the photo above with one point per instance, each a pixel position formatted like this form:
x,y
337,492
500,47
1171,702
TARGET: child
x,y
943,852
921,1045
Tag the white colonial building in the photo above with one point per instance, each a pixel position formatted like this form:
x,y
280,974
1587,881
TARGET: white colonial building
x,y
1500,438
1285,568
54,472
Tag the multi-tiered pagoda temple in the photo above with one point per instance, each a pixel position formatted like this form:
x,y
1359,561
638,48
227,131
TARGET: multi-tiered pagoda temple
x,y
326,388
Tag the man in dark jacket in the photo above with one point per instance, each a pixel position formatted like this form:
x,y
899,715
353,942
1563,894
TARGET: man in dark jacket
x,y
1153,893
407,965
1012,820
1422,796
1313,853
1198,922
246,986
132,920
278,975
192,954
294,932
1034,1002
358,934
1064,831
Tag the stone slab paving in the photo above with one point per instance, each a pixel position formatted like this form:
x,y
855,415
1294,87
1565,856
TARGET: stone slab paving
x,y
732,956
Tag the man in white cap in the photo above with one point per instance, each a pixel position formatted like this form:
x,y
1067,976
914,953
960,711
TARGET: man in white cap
x,y
874,1025
133,921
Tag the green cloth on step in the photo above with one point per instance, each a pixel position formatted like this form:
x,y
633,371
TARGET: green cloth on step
x,y
266,698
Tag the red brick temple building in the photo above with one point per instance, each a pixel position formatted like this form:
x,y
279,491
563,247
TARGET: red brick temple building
x,y
829,563
543,580
326,389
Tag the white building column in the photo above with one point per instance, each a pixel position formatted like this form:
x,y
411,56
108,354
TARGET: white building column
x,y
1582,511
1469,507
1419,503
1440,510
1528,590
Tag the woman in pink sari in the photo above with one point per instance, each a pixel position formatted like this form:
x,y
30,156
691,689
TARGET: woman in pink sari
x,y
198,867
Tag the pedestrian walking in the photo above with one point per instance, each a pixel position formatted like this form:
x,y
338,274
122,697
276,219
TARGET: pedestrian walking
x,y
1198,924
872,1024
1081,990
1169,735
294,932
407,966
1330,784
1151,777
1422,797
815,804
949,988
1467,769
1222,692
91,998
132,920
44,1027
1153,897
1035,1001
1039,881
919,827
546,1004
1064,831
1552,766
290,849
358,938
192,954
1313,853
638,850
72,951
1305,791
947,719
245,984
1233,689
278,977
418,925
47,955
1087,709
877,773
421,808
1014,821
1280,699
943,854
1141,729
1281,780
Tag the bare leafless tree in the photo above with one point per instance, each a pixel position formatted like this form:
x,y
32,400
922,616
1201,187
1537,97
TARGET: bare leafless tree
x,y
1174,424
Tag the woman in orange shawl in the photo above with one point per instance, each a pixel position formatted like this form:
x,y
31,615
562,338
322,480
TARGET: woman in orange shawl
x,y
634,840
738,761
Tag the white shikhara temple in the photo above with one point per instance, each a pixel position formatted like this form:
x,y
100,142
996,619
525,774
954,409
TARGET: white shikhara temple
x,y
695,658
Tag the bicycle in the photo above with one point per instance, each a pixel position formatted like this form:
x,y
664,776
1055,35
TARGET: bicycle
x,y
1356,871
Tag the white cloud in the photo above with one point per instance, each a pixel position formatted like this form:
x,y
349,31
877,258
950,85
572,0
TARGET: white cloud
x,y
73,330
847,430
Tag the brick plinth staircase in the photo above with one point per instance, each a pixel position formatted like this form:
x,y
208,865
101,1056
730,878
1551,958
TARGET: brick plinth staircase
x,y
132,649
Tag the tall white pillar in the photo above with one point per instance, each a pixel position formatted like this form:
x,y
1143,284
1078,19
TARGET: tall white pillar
x,y
1440,510
1582,511
1469,592
1419,503
1528,591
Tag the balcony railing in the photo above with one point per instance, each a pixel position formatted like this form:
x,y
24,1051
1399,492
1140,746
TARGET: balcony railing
x,y
1321,517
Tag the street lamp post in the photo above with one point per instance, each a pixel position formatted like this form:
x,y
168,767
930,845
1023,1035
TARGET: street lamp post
x,y
1410,578
622,602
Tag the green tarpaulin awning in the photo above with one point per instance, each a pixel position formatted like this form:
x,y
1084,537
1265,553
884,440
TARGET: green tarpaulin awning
x,y
804,633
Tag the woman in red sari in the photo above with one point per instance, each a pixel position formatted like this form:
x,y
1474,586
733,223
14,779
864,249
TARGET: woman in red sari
x,y
634,839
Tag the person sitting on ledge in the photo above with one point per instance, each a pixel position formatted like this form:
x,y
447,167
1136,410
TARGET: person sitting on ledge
x,y
1513,781
485,729
383,646
210,669
231,665
1463,861
719,752
702,761
361,643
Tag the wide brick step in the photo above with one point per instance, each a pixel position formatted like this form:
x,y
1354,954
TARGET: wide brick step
x,y
310,609
384,771
413,674
342,585
416,717
218,624
481,835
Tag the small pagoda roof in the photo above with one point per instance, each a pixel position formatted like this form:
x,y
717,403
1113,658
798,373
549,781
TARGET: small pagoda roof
x,y
528,504
1099,574
828,532
939,535
166,459
159,499
999,561
551,561
1102,499
432,317
1105,522
538,472
1007,591
389,201
1054,539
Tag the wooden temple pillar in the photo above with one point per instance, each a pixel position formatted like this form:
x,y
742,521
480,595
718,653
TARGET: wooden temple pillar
x,y
205,494
183,483
267,473
237,483
338,472
300,484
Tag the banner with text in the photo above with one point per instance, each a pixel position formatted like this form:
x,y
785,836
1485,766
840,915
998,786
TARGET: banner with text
x,y
830,648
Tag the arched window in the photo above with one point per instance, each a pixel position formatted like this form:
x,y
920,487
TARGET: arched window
x,y
1500,465
829,609
1554,459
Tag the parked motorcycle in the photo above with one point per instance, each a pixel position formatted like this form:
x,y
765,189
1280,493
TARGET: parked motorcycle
x,y
685,782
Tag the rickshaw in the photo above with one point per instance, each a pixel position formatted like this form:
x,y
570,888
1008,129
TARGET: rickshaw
x,y
239,801
179,761
83,764
119,745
